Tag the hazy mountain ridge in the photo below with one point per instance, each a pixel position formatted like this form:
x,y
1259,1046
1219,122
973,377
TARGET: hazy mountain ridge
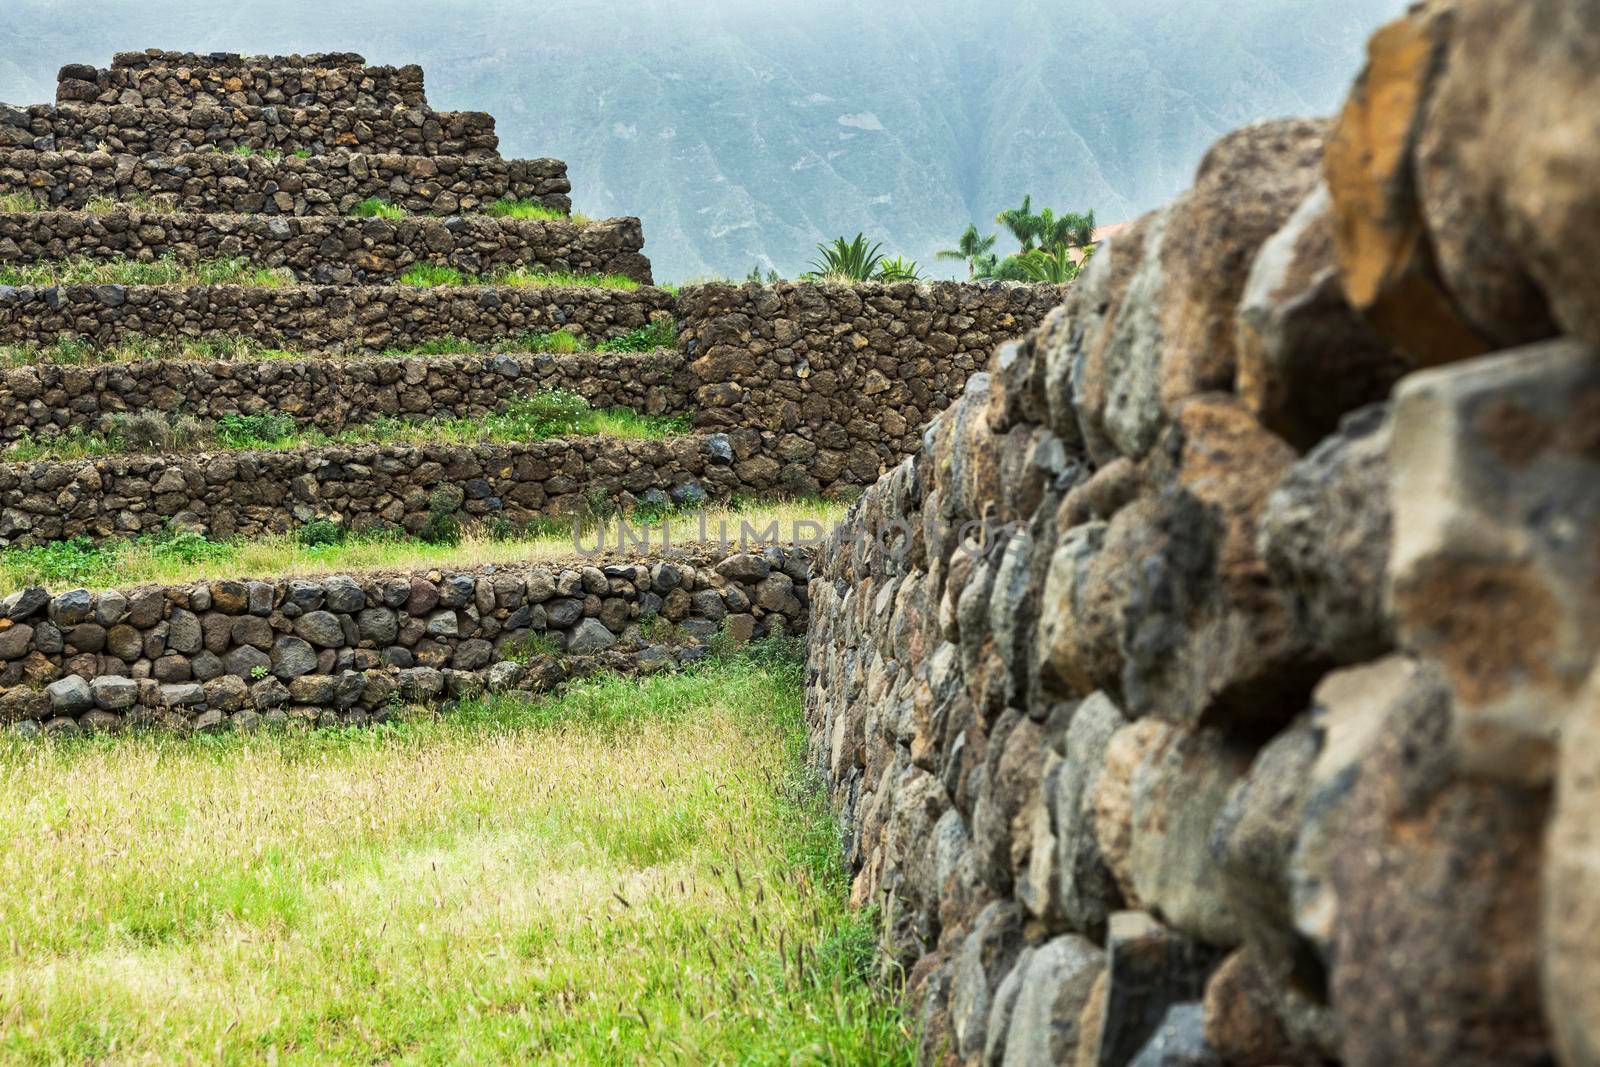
x,y
751,131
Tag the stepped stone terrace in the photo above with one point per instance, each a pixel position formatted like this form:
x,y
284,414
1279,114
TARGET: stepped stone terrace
x,y
246,298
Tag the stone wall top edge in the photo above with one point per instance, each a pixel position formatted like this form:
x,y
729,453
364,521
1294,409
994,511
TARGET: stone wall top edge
x,y
698,554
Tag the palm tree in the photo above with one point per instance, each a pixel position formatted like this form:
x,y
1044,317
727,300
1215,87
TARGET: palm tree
x,y
1056,266
1022,222
1069,230
972,248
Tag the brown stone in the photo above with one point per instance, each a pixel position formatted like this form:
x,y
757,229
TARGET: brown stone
x,y
1248,185
1385,257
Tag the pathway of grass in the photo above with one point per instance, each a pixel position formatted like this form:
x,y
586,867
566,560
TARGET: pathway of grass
x,y
542,416
176,559
632,872
69,352
167,270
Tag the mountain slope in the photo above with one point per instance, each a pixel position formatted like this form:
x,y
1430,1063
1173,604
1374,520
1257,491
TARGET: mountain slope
x,y
749,130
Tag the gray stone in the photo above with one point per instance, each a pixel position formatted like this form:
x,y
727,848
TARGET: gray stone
x,y
456,590
378,625
1151,969
1178,790
564,612
71,607
110,607
983,961
111,693
183,694
443,623
269,693
472,655
184,634
1496,490
245,660
16,642
1325,535
588,637
1052,991
292,657
321,628
744,567
1087,891
26,602
47,638
1179,1041
210,721
343,595
70,695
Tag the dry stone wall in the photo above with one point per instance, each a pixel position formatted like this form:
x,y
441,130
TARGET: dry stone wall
x,y
326,185
832,384
332,393
332,250
1217,682
174,80
394,487
321,317
274,128
346,650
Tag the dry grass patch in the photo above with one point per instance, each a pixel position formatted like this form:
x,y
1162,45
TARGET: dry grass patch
x,y
632,872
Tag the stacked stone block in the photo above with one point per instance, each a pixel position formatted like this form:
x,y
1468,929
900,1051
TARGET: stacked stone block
x,y
1217,684
347,650
339,251
332,184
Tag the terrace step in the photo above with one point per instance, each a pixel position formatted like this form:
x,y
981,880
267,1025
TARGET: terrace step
x,y
323,185
141,130
332,394
369,487
224,653
348,318
160,57
331,250
330,81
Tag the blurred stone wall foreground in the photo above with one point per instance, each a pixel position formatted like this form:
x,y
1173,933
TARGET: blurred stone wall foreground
x,y
1262,725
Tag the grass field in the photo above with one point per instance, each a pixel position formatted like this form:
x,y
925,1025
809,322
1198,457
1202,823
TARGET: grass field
x,y
173,560
634,872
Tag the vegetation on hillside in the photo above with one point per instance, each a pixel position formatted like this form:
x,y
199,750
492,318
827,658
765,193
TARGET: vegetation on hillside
x,y
1050,247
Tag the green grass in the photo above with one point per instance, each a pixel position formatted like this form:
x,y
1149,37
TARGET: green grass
x,y
164,271
547,414
635,871
70,352
20,202
375,208
506,208
176,558
430,275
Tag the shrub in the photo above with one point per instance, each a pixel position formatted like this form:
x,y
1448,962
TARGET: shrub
x,y
843,260
177,545
75,561
442,527
11,202
266,430
661,333
899,269
377,208
320,533
506,208
429,274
